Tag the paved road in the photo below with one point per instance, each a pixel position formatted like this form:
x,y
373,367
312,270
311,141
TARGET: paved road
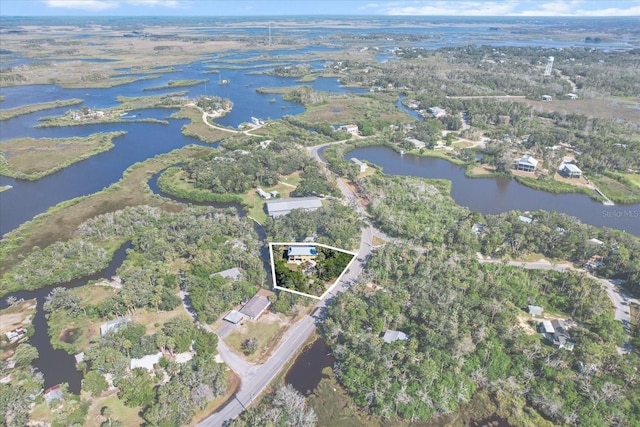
x,y
255,378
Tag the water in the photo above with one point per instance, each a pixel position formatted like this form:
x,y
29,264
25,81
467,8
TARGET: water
x,y
497,195
306,372
58,366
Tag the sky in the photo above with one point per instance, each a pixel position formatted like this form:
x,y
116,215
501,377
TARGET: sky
x,y
319,7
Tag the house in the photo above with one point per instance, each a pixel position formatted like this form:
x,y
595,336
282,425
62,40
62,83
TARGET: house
x,y
535,310
255,307
571,96
478,228
234,317
284,206
525,219
526,163
301,253
561,337
569,170
351,129
16,334
547,98
391,336
437,112
53,394
362,166
263,193
232,273
114,325
265,143
147,362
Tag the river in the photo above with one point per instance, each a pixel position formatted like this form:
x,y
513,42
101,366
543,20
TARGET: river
x,y
497,195
58,366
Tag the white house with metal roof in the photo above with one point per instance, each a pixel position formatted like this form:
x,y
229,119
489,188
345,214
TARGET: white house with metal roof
x,y
526,163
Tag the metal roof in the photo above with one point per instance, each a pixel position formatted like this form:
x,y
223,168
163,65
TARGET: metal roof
x,y
284,206
255,306
391,336
302,251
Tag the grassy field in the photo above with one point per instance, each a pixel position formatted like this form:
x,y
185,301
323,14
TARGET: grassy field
x,y
31,159
197,128
26,109
267,332
255,204
129,417
60,221
177,83
617,191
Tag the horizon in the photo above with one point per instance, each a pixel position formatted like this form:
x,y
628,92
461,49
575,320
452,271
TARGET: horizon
x,y
317,8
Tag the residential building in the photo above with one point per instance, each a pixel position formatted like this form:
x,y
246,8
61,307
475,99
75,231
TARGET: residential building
x,y
351,129
547,98
571,96
569,170
525,219
53,394
561,337
284,206
301,253
363,166
16,334
437,112
526,163
391,336
114,325
255,307
232,273
478,228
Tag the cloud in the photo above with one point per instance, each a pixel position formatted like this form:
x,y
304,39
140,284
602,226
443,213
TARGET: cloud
x,y
98,5
468,8
509,8
92,5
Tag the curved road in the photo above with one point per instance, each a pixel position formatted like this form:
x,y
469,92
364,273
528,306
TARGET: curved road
x,y
255,378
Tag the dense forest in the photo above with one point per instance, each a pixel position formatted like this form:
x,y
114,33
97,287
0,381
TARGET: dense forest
x,y
486,341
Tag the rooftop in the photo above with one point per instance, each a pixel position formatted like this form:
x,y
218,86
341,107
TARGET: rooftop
x,y
284,206
255,306
302,251
391,336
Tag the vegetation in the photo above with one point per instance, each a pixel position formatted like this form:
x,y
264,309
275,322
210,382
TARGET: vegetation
x,y
32,159
284,407
177,83
27,109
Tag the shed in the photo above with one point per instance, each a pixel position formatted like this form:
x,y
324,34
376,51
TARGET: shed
x,y
255,307
284,206
363,166
263,193
114,325
547,98
391,336
535,310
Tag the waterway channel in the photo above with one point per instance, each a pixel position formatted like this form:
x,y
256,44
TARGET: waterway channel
x,y
497,195
58,366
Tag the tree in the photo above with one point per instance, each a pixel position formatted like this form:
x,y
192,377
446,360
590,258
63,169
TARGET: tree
x,y
25,354
137,389
94,383
249,346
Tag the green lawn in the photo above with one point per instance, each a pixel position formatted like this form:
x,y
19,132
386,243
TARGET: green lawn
x,y
263,332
